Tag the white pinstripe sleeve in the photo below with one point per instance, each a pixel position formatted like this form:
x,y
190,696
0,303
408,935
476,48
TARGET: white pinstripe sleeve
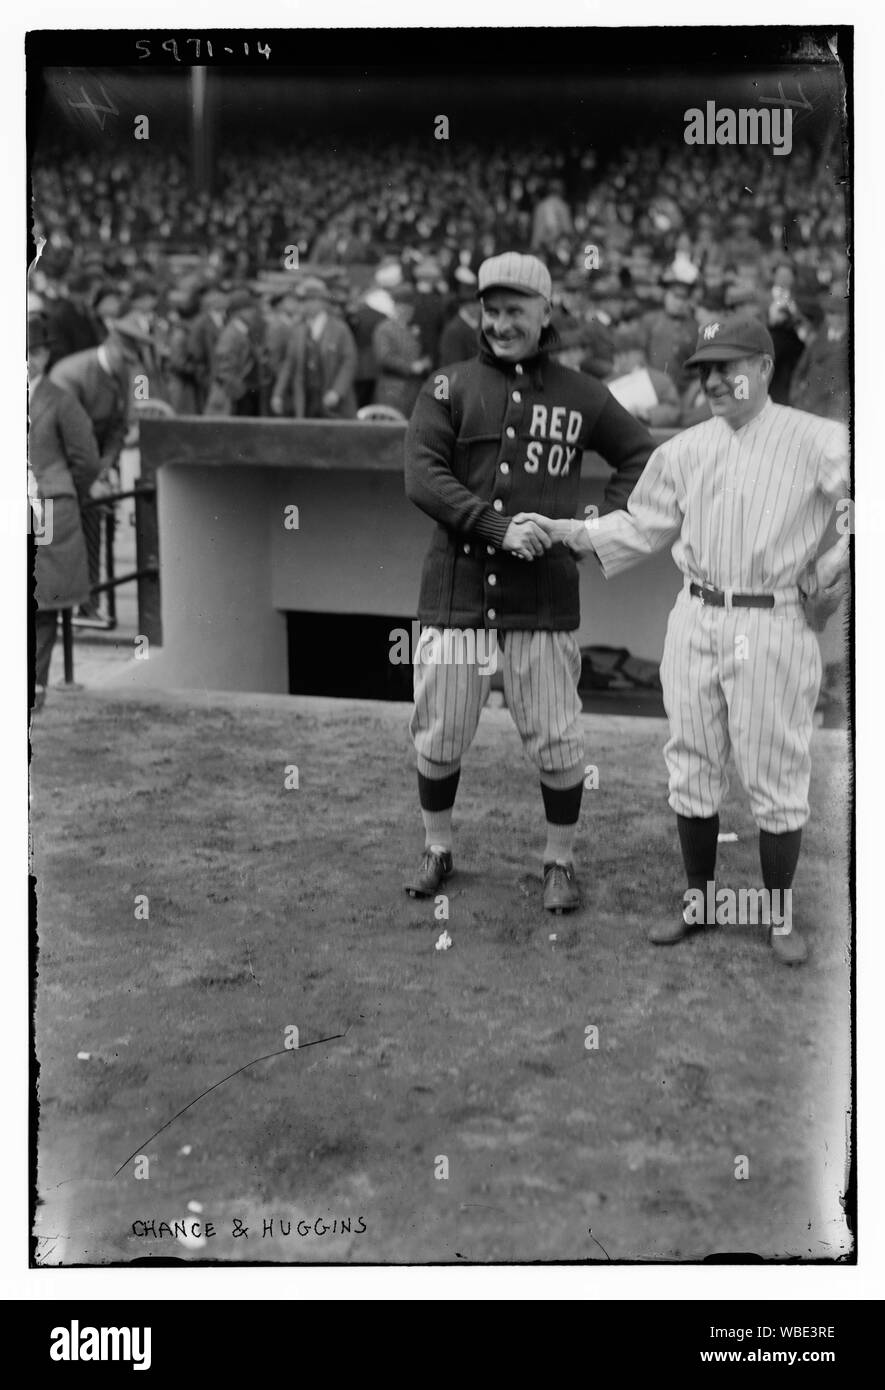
x,y
652,520
833,479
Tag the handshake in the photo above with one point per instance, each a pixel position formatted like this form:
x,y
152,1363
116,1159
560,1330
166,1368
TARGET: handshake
x,y
530,534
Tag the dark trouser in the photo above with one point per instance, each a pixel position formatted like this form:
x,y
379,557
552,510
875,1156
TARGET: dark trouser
x,y
364,391
250,404
46,627
91,523
96,522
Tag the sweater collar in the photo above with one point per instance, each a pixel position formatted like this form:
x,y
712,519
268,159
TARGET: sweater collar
x,y
532,366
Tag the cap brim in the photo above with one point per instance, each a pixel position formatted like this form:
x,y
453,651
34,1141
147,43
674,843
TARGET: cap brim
x,y
514,289
719,352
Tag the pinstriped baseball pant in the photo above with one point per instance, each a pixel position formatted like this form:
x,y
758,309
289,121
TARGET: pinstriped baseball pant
x,y
746,682
541,671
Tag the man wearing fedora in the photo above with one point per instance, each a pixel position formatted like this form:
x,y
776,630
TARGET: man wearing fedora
x,y
401,364
316,379
238,366
99,378
63,463
745,500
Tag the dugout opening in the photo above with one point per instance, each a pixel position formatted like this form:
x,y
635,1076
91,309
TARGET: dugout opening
x,y
349,655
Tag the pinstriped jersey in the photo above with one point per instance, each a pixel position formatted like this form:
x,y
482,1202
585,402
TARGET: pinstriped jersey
x,y
745,509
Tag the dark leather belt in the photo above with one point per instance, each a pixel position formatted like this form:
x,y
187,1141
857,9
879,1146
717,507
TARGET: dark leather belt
x,y
716,597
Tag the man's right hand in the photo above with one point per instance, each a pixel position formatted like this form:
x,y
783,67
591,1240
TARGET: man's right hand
x,y
572,534
526,539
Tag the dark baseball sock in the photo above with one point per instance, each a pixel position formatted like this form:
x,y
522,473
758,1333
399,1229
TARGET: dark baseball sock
x,y
698,838
437,798
562,807
779,855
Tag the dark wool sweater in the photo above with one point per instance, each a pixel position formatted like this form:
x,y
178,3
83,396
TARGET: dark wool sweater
x,y
488,439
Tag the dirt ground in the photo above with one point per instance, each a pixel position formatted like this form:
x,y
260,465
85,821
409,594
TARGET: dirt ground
x,y
271,907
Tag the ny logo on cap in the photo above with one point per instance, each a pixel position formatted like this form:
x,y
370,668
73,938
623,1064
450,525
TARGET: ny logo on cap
x,y
711,330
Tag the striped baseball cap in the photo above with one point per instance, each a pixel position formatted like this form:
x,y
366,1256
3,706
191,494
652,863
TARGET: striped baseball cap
x,y
514,271
734,335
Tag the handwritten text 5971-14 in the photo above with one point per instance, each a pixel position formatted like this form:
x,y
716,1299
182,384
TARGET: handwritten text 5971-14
x,y
196,52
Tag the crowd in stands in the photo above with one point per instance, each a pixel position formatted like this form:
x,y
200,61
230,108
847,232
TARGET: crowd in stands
x,y
328,283
315,283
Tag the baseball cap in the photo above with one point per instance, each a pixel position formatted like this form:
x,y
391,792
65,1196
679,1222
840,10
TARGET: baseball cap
x,y
514,271
734,335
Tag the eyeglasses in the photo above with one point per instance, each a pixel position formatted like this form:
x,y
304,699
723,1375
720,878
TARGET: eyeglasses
x,y
725,369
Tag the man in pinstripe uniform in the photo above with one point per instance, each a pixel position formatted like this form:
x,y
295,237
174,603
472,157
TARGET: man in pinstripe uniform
x,y
745,498
488,438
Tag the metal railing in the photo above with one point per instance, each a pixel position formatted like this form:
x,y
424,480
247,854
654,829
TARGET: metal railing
x,y
142,495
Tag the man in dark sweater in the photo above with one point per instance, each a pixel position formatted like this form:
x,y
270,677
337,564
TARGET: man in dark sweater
x,y
490,438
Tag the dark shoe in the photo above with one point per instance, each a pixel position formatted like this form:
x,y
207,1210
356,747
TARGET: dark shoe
x,y
672,929
561,891
435,866
788,947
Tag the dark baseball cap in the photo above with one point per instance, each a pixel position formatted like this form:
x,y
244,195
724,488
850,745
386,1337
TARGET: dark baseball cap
x,y
734,335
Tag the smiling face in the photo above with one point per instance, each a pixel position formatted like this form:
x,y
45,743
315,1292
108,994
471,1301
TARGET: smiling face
x,y
736,389
513,323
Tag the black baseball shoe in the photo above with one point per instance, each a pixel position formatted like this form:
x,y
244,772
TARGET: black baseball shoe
x,y
436,865
561,891
673,929
788,947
